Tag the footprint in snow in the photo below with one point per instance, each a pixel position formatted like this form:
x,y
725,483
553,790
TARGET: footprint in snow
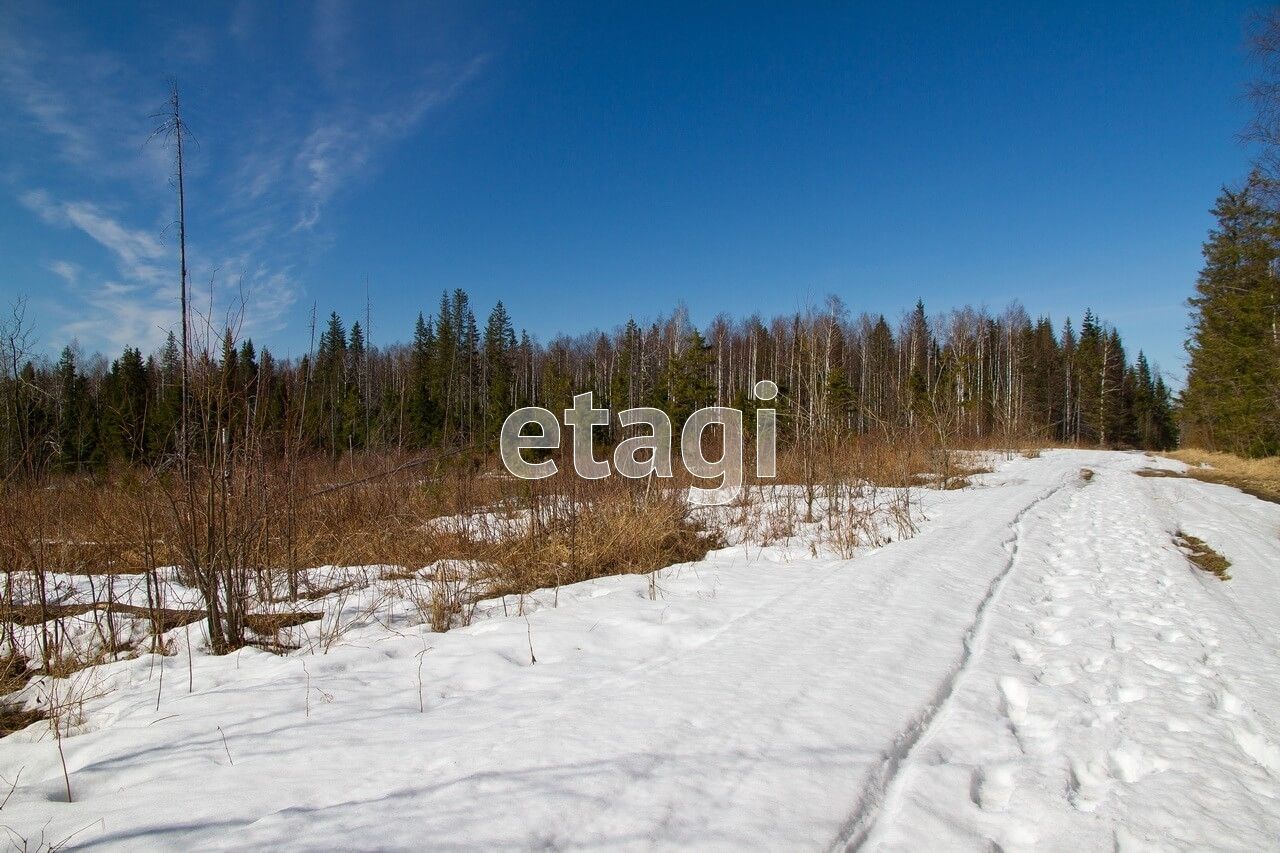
x,y
1034,734
1258,748
1095,664
1025,652
1015,698
1164,665
1129,763
1228,702
1090,782
1129,692
992,786
1100,694
1056,675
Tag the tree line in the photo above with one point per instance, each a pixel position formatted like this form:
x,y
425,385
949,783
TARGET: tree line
x,y
963,376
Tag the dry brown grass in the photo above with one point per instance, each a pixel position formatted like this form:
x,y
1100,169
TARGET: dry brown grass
x,y
511,536
1202,556
15,718
448,533
1257,477
14,673
1157,473
567,531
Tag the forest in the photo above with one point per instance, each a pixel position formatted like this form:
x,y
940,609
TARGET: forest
x,y
965,377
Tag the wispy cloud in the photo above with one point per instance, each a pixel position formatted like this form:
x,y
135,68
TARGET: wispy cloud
x,y
342,145
329,41
128,306
65,270
42,101
264,176
137,302
135,250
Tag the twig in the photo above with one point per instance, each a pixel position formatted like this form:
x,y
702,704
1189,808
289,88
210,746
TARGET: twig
x,y
422,708
12,787
225,747
62,756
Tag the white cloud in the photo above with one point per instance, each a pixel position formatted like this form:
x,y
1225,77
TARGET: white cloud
x,y
120,319
342,146
135,251
138,304
65,270
263,187
84,101
42,101
329,38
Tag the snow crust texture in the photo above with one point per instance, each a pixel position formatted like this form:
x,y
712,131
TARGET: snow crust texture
x,y
1039,668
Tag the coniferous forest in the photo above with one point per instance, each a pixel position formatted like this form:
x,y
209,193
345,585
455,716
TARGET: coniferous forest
x,y
966,376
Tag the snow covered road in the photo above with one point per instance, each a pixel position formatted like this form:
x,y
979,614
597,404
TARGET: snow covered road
x,y
1039,668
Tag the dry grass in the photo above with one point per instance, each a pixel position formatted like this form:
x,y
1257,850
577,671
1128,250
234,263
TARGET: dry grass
x,y
14,718
1202,556
447,534
1257,477
485,534
560,532
1160,472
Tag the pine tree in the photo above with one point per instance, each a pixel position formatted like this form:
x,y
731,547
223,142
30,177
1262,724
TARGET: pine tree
x,y
1165,434
1114,394
423,415
1232,398
469,403
1144,403
76,423
329,416
1090,381
689,380
499,368
444,366
127,395
1069,427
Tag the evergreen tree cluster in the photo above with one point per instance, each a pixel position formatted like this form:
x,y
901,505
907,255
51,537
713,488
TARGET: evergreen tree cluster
x,y
962,376
1232,398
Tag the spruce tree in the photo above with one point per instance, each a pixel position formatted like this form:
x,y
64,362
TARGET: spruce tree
x,y
1232,398
499,368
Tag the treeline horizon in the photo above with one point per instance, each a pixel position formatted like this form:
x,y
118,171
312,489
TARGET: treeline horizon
x,y
964,376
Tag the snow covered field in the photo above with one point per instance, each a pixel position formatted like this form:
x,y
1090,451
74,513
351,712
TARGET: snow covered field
x,y
1039,668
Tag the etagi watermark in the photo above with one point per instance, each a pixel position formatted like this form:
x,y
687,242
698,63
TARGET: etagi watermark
x,y
654,447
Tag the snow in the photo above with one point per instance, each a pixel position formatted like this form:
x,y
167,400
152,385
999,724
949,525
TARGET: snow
x,y
1038,668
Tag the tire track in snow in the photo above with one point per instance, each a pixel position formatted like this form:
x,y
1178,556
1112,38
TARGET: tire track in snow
x,y
880,790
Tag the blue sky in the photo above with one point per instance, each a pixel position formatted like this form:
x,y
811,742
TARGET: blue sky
x,y
586,162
